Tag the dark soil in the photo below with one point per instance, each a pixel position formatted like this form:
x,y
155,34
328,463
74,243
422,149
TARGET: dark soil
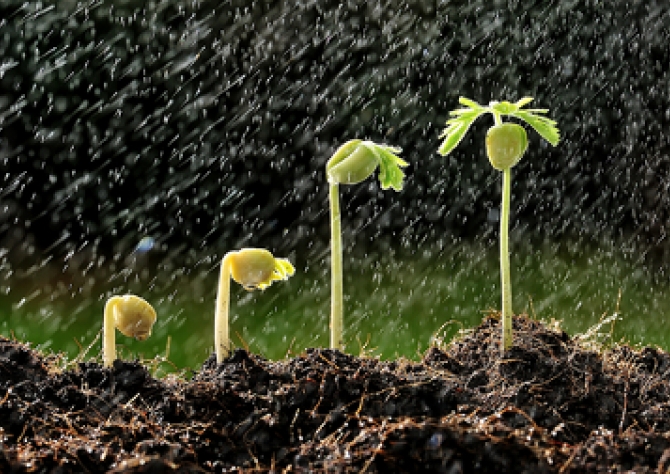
x,y
550,405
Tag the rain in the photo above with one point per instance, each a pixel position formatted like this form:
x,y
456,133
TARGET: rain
x,y
141,141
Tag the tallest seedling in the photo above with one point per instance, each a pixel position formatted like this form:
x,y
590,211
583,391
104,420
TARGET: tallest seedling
x,y
505,145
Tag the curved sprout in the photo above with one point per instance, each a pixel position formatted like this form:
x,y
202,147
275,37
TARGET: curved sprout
x,y
253,269
132,316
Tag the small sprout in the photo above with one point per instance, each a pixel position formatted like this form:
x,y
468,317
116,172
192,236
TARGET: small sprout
x,y
132,316
353,163
506,143
253,269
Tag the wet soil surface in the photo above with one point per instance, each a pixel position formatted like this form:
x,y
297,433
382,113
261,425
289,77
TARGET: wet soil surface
x,y
550,405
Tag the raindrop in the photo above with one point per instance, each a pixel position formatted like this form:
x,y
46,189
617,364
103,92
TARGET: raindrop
x,y
144,245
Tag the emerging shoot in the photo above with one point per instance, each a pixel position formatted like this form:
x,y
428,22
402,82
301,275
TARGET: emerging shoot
x,y
253,269
352,163
506,143
132,316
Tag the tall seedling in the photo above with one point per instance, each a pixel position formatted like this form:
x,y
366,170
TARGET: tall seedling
x,y
505,145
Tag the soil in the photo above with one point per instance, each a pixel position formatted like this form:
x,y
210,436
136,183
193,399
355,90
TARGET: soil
x,y
550,405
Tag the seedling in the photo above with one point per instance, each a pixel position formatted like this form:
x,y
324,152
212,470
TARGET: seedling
x,y
352,163
253,269
505,145
132,316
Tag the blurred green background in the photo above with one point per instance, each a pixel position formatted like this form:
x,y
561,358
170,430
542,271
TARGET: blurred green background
x,y
396,303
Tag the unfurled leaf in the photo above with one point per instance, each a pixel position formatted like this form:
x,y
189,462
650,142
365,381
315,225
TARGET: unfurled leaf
x,y
523,101
545,126
470,103
390,173
462,119
457,128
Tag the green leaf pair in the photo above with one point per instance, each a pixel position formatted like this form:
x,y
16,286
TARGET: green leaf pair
x,y
463,118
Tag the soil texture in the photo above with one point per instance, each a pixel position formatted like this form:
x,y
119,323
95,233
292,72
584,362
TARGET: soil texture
x,y
550,405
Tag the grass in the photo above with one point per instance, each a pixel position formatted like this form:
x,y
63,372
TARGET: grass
x,y
393,308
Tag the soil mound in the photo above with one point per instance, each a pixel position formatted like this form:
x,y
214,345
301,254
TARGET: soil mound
x,y
550,405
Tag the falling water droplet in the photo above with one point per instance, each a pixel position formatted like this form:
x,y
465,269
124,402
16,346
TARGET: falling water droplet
x,y
145,245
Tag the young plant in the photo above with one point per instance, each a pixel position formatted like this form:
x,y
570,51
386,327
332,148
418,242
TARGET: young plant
x,y
352,163
132,316
505,145
253,269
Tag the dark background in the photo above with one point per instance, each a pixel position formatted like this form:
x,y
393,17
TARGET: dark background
x,y
206,125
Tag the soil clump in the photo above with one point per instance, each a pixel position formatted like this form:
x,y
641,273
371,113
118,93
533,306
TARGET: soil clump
x,y
551,405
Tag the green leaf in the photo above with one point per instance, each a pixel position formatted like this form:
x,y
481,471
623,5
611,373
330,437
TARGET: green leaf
x,y
536,111
545,126
469,103
523,101
453,135
390,173
461,111
457,128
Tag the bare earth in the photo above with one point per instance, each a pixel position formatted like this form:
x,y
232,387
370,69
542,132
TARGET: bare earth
x,y
549,406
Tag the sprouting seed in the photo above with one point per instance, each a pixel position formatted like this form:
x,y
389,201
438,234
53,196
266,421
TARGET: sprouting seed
x,y
506,143
132,316
352,163
253,269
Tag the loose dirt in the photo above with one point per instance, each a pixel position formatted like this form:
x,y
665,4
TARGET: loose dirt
x,y
551,405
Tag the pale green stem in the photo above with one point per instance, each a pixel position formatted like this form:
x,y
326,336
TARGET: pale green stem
x,y
221,318
336,299
505,280
109,333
